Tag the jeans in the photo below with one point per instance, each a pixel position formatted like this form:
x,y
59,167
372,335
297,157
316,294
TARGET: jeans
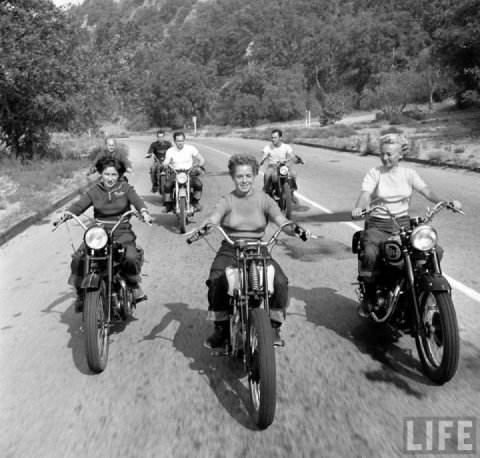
x,y
217,283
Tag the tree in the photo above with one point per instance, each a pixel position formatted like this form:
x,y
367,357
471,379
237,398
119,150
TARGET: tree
x,y
40,74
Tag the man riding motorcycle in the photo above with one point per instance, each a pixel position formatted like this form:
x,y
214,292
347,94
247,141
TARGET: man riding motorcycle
x,y
159,149
275,152
180,157
111,151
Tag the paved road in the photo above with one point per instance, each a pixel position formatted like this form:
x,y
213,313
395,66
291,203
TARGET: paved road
x,y
343,389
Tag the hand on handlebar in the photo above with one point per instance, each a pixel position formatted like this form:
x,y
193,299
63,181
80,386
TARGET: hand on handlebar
x,y
455,206
147,218
358,213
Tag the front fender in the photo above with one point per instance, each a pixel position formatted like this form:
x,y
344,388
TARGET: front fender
x,y
438,283
91,281
182,192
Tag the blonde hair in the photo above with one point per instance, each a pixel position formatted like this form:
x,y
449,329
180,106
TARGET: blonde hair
x,y
394,139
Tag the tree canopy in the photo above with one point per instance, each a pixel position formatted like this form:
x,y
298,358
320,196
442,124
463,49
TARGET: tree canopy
x,y
226,61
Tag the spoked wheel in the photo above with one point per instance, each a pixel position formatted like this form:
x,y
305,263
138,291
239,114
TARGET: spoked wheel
x,y
287,200
262,372
439,346
183,215
96,328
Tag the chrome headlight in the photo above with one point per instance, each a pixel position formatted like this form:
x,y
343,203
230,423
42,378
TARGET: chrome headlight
x,y
424,237
283,170
96,237
182,178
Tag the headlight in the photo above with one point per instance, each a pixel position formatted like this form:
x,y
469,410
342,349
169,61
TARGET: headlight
x,y
182,178
283,170
424,237
96,238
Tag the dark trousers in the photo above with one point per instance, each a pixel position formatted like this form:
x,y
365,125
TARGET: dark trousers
x,y
131,263
218,287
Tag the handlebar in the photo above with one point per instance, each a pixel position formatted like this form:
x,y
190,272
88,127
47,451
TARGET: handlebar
x,y
68,215
197,234
428,216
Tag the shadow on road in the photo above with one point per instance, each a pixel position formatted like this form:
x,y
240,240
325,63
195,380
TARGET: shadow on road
x,y
223,374
325,307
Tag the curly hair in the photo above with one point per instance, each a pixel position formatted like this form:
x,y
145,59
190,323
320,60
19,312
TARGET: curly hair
x,y
242,159
106,161
394,139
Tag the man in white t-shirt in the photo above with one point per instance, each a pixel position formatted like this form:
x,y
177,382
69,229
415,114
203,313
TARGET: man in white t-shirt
x,y
276,152
181,157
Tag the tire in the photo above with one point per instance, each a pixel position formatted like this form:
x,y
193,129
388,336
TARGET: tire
x,y
183,215
262,372
439,349
161,185
96,329
287,200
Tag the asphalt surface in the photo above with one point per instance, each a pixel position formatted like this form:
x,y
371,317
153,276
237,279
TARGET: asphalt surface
x,y
344,387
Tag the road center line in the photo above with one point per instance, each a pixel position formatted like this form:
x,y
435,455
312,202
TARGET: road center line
x,y
467,291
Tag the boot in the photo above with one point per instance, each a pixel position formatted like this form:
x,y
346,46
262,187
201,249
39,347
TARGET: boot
x,y
277,338
78,304
220,335
138,293
368,301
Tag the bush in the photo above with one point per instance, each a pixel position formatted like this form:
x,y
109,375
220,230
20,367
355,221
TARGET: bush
x,y
391,130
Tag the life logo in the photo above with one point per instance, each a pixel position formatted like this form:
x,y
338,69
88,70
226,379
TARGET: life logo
x,y
440,435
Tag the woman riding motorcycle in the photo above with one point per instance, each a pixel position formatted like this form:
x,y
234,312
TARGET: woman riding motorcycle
x,y
244,213
111,198
389,185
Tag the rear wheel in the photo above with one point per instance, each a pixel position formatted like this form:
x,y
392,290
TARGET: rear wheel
x,y
439,346
262,372
183,215
287,200
96,328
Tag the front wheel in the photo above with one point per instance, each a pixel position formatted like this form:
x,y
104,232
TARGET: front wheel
x,y
287,200
161,187
183,215
439,345
262,371
96,328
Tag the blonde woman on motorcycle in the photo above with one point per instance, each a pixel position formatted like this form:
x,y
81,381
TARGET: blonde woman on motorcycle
x,y
390,185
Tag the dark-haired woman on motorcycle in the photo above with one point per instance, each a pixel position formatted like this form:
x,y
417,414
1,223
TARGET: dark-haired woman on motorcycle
x,y
110,198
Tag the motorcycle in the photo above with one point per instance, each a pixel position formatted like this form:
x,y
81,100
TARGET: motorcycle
x,y
107,296
183,207
281,189
412,294
250,285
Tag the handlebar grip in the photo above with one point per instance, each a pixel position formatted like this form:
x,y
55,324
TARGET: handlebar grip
x,y
302,233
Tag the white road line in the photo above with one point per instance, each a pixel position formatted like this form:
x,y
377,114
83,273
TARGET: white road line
x,y
467,291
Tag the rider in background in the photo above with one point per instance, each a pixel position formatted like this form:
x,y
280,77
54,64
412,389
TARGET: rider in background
x,y
111,198
158,148
390,185
111,151
243,213
275,152
180,157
